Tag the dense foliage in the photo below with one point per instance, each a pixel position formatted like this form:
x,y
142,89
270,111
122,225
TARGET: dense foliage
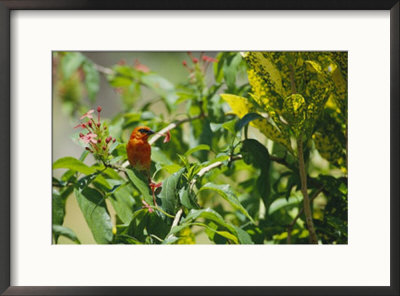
x,y
257,151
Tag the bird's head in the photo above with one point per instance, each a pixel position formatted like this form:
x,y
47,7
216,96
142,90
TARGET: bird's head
x,y
141,132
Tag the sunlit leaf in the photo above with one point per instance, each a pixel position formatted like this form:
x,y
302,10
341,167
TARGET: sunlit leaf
x,y
73,164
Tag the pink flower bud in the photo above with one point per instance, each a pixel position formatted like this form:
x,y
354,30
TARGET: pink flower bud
x,y
195,60
114,140
98,125
104,148
99,141
81,135
99,109
90,124
108,139
184,63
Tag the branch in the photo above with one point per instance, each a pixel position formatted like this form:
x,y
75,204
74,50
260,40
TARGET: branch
x,y
214,165
301,211
217,164
172,126
306,200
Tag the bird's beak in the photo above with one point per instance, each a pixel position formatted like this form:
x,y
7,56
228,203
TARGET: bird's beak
x,y
150,132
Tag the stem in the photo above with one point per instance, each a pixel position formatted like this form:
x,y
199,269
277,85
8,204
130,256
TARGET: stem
x,y
306,200
291,225
162,211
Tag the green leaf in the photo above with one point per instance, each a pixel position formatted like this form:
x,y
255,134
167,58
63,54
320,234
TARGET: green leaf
x,y
226,193
230,70
64,231
58,209
197,148
158,156
246,120
120,150
120,81
156,226
138,224
224,234
168,194
101,183
256,154
123,203
230,126
215,112
172,168
73,164
162,87
282,203
94,209
218,68
70,63
244,237
92,79
210,215
187,199
141,184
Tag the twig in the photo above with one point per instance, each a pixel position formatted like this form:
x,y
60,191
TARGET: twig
x,y
177,218
301,211
280,160
104,70
176,221
214,165
172,126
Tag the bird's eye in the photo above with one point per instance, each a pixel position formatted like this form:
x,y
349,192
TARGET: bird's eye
x,y
142,130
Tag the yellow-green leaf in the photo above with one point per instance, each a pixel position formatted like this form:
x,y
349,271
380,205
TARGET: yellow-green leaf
x,y
240,106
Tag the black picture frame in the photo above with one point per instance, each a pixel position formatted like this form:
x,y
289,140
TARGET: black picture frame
x,y
7,6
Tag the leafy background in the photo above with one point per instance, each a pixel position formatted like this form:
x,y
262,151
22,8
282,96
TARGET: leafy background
x,y
253,113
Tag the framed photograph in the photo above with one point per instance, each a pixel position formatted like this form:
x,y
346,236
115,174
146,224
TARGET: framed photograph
x,y
244,148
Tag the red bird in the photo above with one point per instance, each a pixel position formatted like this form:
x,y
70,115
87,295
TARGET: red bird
x,y
139,154
139,150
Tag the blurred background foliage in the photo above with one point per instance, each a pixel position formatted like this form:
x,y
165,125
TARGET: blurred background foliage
x,y
231,172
